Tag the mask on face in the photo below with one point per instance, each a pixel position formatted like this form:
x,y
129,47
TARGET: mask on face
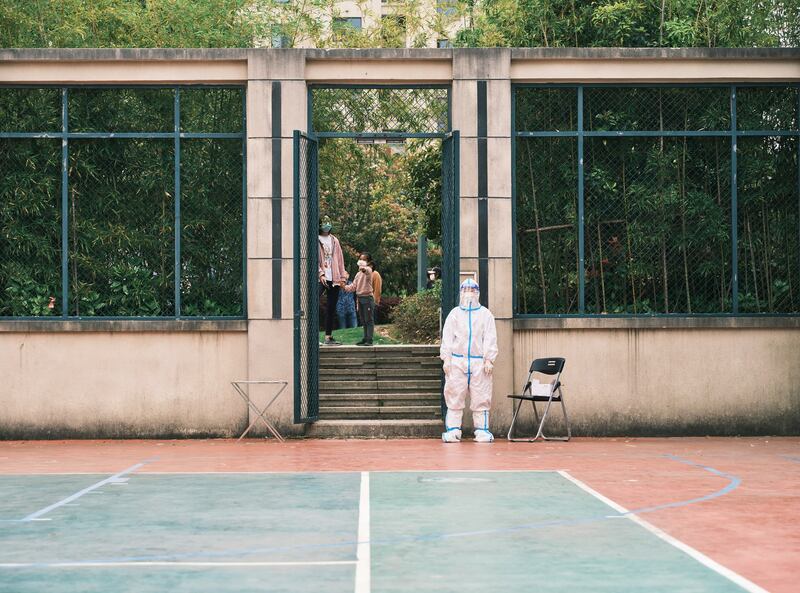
x,y
468,299
468,294
362,263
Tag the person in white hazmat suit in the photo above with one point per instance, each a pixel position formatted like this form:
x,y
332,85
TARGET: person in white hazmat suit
x,y
468,352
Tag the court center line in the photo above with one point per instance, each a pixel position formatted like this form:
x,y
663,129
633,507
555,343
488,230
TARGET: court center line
x,y
172,564
744,583
363,576
118,476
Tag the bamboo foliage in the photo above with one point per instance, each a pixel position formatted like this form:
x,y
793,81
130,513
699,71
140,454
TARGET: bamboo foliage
x,y
120,205
657,227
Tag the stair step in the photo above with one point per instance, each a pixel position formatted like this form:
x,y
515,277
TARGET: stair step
x,y
328,404
389,397
374,429
376,412
362,374
377,351
393,362
415,385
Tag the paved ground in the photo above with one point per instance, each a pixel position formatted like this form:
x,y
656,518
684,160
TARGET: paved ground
x,y
602,514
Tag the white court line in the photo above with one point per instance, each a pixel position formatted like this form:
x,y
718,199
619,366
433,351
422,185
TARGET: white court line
x,y
170,564
363,549
100,484
687,549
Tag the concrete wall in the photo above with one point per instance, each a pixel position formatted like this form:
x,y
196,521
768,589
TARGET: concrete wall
x,y
670,381
60,384
168,377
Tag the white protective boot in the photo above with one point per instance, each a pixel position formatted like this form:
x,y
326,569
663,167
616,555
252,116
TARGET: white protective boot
x,y
452,423
452,435
481,422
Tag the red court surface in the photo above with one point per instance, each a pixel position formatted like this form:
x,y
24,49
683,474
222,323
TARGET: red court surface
x,y
747,517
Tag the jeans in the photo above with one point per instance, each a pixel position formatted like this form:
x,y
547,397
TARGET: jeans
x,y
347,319
366,314
332,292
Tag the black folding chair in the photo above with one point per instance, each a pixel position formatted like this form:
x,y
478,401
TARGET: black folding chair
x,y
544,366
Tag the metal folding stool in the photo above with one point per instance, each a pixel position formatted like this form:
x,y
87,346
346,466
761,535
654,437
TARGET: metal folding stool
x,y
237,385
550,367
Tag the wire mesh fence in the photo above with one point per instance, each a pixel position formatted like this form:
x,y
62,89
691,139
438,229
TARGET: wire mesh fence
x,y
664,227
656,108
375,110
121,233
768,225
547,229
657,225
89,202
30,227
211,228
306,285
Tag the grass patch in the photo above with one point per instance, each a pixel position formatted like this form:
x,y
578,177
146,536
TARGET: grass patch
x,y
352,335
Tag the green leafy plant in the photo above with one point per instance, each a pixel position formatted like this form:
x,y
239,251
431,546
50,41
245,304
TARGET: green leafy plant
x,y
416,318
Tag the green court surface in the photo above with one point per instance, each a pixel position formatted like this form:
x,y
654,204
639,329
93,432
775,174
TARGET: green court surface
x,y
331,532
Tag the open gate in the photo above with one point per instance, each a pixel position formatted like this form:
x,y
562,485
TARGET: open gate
x,y
306,289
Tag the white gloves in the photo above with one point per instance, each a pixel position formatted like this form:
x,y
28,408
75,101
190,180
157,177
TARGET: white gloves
x,y
488,366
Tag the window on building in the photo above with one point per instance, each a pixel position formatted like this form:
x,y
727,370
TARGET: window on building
x,y
348,23
280,39
444,44
447,7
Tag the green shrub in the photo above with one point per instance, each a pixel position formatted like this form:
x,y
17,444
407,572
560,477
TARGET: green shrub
x,y
416,318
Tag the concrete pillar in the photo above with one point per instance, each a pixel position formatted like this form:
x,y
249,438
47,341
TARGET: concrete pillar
x,y
481,104
276,99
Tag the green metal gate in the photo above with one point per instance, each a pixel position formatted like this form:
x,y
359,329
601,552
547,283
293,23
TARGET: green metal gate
x,y
306,289
450,226
451,264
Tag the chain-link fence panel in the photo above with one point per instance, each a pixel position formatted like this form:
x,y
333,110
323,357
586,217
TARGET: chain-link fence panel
x,y
546,109
210,110
121,227
355,110
30,110
121,110
211,274
656,108
767,108
657,225
30,227
768,225
306,284
546,225
120,241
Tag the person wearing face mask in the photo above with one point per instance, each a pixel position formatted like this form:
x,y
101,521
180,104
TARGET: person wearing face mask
x,y
434,274
332,275
468,352
362,286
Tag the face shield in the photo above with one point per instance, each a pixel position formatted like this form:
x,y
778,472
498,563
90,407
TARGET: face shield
x,y
469,294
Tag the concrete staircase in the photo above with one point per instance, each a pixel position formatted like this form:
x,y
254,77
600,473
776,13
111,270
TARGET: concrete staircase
x,y
379,392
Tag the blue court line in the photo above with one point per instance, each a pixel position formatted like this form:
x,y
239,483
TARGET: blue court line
x,y
115,478
733,483
794,458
